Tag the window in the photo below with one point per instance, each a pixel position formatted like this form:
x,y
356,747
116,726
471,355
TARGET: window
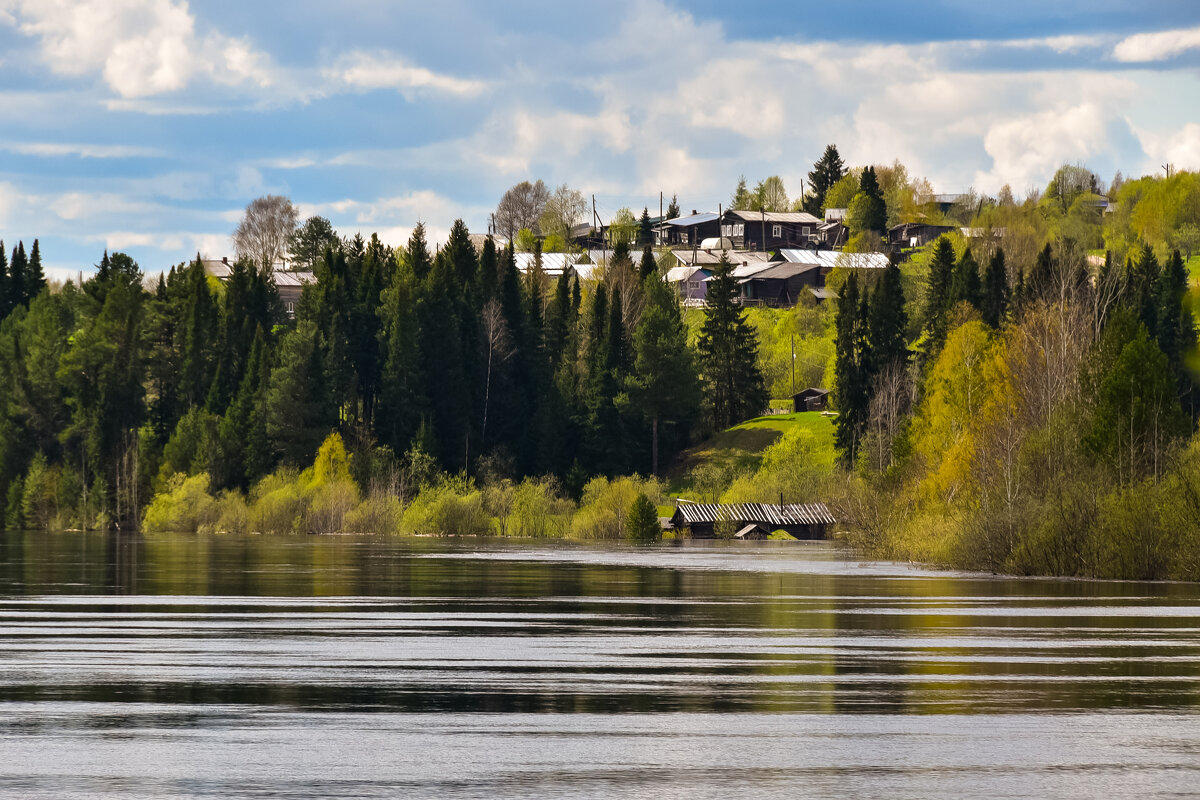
x,y
683,238
777,231
727,231
739,229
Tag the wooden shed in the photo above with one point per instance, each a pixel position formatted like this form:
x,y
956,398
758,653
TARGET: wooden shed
x,y
810,399
803,521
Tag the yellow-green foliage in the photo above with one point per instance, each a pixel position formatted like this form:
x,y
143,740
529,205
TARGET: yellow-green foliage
x,y
797,467
452,508
185,506
531,509
277,503
378,513
605,505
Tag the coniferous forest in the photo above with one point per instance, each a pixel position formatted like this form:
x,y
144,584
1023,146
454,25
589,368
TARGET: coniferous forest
x,y
1017,395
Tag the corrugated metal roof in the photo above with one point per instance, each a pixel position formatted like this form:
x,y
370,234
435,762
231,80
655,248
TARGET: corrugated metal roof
x,y
835,258
707,258
762,513
680,274
693,219
802,217
294,278
780,270
551,262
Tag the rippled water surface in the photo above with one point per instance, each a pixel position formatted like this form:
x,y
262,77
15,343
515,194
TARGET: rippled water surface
x,y
298,667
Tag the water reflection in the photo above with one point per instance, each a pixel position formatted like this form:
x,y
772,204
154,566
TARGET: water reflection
x,y
697,669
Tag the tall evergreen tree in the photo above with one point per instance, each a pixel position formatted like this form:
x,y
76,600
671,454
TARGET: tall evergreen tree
x,y
828,170
938,293
35,277
648,265
645,230
1142,292
733,383
401,404
198,334
673,207
851,365
6,301
887,322
1176,333
18,279
1041,277
994,304
872,216
742,199
301,410
965,284
664,385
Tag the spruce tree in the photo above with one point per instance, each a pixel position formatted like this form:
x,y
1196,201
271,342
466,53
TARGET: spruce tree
x,y
827,171
938,293
198,334
1142,292
6,301
851,367
1041,278
645,230
741,195
17,269
648,266
733,383
35,278
401,403
874,216
994,303
1176,333
673,208
887,322
965,285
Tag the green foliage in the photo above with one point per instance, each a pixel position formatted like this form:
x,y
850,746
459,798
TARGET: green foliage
x,y
605,505
733,384
525,241
842,192
184,506
826,173
643,526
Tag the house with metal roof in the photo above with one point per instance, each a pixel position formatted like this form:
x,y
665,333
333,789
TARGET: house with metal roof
x,y
690,283
779,284
768,230
290,285
553,264
801,520
687,231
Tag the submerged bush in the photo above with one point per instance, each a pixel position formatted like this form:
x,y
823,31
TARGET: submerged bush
x,y
184,507
604,510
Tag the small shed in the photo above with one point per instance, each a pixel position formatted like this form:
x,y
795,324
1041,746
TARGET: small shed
x,y
801,520
810,399
752,532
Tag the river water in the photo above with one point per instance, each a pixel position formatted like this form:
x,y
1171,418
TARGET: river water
x,y
304,667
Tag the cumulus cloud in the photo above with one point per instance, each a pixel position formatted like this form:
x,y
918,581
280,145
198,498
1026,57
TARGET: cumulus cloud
x,y
141,47
367,71
1147,47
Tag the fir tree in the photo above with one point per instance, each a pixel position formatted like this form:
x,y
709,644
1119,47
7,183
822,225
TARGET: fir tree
x,y
1176,333
401,402
965,285
887,322
35,278
741,195
645,231
673,208
874,210
938,293
198,333
733,384
643,526
994,304
1041,278
827,171
18,278
6,300
851,360
648,266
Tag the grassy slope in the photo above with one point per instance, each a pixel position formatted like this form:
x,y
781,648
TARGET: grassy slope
x,y
740,447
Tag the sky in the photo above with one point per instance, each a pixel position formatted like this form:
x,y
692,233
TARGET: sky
x,y
147,126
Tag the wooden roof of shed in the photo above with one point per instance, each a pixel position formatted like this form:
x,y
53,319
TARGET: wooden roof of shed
x,y
762,513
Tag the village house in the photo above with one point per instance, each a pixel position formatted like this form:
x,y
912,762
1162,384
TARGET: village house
x,y
779,284
553,264
768,230
687,231
289,284
752,520
811,399
690,283
916,234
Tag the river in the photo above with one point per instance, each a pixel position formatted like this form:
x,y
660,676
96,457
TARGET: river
x,y
364,667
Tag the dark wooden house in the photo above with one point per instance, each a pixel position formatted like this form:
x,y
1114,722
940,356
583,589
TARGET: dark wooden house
x,y
769,230
811,399
780,285
916,234
802,521
687,231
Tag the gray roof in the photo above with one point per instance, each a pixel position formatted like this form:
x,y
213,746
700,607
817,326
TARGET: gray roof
x,y
835,258
693,219
779,270
552,263
221,269
802,217
709,257
822,293
762,513
680,274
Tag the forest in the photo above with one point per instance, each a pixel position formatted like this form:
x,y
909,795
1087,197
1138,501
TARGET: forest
x,y
1020,400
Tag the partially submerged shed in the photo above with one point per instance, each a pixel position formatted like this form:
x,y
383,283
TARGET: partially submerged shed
x,y
801,520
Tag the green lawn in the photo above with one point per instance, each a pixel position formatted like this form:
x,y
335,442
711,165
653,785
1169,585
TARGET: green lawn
x,y
740,447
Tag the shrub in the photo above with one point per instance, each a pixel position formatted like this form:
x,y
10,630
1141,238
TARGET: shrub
x,y
453,508
604,509
184,507
379,513
643,526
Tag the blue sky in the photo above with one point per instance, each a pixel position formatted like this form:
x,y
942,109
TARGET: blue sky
x,y
148,125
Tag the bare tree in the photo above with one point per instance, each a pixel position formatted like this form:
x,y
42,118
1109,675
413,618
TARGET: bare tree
x,y
890,404
521,207
563,209
499,348
262,235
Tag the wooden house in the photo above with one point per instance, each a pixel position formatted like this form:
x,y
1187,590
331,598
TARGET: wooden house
x,y
916,234
768,230
779,285
811,399
290,285
687,231
690,283
802,521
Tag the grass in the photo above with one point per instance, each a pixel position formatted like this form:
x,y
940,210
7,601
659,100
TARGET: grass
x,y
740,448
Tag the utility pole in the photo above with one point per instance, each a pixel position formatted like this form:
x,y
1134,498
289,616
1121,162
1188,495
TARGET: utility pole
x,y
661,221
793,365
763,211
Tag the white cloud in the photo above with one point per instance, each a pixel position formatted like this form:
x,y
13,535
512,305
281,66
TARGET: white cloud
x,y
60,149
1145,47
368,71
141,47
1180,148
